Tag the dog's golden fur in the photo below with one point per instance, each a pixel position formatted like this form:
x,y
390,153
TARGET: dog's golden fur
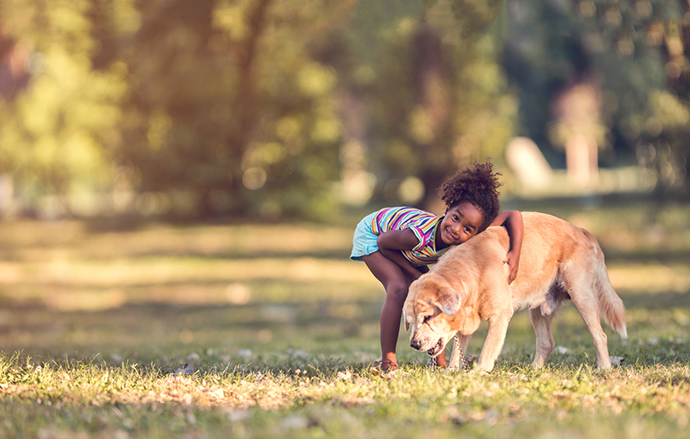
x,y
559,261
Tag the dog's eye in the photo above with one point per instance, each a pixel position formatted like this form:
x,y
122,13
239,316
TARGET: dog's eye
x,y
426,319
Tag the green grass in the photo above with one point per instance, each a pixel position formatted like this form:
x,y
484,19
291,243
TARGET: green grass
x,y
282,331
316,396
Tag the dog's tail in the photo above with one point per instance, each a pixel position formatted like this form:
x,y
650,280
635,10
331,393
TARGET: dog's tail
x,y
610,304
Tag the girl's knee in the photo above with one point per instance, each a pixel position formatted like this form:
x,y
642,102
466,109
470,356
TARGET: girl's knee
x,y
397,292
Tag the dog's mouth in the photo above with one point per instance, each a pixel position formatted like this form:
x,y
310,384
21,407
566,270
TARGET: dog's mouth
x,y
436,349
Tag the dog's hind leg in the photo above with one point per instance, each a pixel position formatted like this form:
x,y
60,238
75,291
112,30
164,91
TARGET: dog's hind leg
x,y
584,298
545,342
591,318
457,357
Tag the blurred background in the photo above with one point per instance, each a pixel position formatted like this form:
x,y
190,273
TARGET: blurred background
x,y
190,172
275,109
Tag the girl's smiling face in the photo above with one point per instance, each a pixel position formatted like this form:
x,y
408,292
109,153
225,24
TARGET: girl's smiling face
x,y
460,223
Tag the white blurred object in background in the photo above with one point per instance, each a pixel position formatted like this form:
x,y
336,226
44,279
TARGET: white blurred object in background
x,y
528,163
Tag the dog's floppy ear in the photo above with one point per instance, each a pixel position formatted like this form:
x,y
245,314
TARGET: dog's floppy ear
x,y
407,324
448,301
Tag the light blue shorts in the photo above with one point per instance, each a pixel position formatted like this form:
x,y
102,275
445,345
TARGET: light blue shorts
x,y
364,241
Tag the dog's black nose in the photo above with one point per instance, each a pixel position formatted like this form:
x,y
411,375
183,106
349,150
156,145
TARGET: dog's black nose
x,y
415,344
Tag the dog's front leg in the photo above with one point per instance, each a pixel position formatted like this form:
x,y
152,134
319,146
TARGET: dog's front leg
x,y
457,357
498,327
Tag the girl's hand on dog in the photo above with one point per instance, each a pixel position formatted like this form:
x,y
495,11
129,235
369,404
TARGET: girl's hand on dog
x,y
513,262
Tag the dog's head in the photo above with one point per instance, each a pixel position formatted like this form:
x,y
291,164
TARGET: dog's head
x,y
427,310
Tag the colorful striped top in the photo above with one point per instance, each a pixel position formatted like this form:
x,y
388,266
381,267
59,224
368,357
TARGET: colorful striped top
x,y
423,225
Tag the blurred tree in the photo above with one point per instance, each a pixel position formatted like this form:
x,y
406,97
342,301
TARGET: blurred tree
x,y
228,107
259,108
438,97
53,128
625,51
209,107
670,108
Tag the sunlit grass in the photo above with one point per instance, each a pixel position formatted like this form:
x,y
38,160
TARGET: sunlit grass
x,y
282,330
298,395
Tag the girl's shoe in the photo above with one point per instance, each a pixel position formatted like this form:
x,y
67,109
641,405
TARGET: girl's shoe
x,y
389,366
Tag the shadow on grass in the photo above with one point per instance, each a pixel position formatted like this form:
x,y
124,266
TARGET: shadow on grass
x,y
156,327
647,256
234,255
656,301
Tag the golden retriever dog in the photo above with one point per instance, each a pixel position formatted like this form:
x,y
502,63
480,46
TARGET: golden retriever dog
x,y
558,261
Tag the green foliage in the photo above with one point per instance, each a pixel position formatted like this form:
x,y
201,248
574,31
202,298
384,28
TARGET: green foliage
x,y
229,105
439,97
632,51
54,135
288,108
219,104
226,107
93,399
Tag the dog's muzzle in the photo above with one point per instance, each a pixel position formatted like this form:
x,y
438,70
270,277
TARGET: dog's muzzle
x,y
438,347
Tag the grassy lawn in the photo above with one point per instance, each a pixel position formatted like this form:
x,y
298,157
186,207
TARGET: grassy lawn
x,y
282,331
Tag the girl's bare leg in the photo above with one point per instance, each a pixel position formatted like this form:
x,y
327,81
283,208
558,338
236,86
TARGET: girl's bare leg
x,y
396,283
441,360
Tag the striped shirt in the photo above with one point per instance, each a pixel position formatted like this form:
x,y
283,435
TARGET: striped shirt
x,y
423,225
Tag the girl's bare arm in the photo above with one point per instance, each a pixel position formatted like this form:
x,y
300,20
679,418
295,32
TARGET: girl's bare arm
x,y
390,243
512,221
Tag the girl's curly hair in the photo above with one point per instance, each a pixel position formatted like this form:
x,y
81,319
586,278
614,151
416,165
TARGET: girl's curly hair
x,y
477,185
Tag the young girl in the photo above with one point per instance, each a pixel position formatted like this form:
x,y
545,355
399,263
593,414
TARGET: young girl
x,y
397,243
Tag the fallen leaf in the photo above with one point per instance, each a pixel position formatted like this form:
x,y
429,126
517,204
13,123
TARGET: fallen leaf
x,y
395,374
345,375
218,393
